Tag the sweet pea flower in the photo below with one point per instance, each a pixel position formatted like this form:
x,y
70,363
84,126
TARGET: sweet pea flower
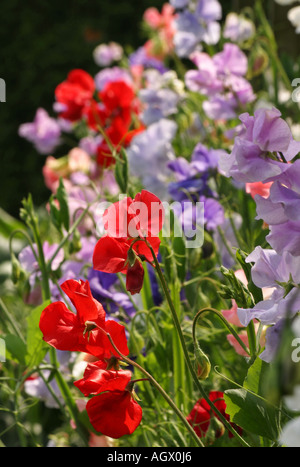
x,y
128,223
252,158
74,93
30,264
109,75
83,331
237,28
44,132
153,148
105,54
202,416
258,188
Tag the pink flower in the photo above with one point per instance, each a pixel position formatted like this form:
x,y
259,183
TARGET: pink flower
x,y
258,188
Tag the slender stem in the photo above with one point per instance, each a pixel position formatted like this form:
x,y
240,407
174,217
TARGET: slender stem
x,y
70,232
11,320
224,321
186,354
159,388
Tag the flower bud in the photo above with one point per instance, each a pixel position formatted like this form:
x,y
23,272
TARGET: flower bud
x,y
135,277
202,365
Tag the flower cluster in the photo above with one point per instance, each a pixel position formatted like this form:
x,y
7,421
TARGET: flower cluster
x,y
87,331
263,153
173,131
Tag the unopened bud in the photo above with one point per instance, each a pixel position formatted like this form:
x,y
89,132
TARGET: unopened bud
x,y
202,364
17,271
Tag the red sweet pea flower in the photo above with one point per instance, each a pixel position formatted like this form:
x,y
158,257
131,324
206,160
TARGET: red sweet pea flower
x,y
83,331
126,222
97,378
74,94
114,111
201,416
114,413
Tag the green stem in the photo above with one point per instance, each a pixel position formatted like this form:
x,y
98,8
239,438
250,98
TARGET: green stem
x,y
224,321
252,340
160,390
273,50
185,350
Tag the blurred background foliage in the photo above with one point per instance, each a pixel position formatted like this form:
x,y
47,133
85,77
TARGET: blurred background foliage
x,y
42,41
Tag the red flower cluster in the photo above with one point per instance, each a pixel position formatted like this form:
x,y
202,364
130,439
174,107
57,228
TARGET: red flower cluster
x,y
130,224
118,105
202,417
113,410
114,109
74,94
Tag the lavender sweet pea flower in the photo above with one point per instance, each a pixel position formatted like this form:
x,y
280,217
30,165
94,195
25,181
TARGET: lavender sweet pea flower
x,y
271,268
153,148
105,54
285,237
140,57
113,74
159,104
29,263
252,158
271,311
208,10
237,28
179,4
44,132
231,60
205,80
189,32
104,288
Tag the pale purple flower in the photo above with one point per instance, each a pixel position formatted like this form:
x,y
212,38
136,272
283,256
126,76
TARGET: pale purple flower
x,y
238,28
270,312
140,57
36,387
271,268
105,54
159,103
179,3
113,74
285,237
208,10
153,148
44,132
29,262
221,79
205,79
258,150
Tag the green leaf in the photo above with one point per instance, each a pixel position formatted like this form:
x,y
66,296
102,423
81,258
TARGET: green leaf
x,y
256,291
15,348
248,409
121,171
36,347
8,224
62,197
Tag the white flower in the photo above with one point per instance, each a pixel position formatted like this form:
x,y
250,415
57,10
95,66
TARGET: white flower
x,y
290,436
294,17
285,2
